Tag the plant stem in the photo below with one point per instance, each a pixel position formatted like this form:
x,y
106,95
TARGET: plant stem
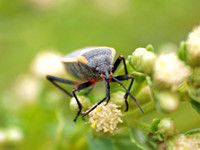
x,y
136,114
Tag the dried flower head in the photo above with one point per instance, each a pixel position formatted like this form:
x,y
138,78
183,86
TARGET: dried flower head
x,y
169,71
105,117
193,44
47,62
186,143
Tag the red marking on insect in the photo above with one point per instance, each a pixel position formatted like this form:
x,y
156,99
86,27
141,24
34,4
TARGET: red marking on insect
x,y
75,89
77,83
101,75
111,75
94,81
121,57
130,76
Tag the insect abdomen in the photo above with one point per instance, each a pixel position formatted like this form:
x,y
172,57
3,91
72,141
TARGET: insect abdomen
x,y
82,71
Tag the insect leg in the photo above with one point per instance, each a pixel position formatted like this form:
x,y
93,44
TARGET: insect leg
x,y
117,62
122,78
54,79
78,88
107,96
89,90
126,77
108,90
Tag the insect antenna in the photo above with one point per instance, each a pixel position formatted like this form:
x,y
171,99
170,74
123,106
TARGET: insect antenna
x,y
127,91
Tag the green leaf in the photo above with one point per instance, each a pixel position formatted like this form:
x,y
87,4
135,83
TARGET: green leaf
x,y
196,106
150,48
104,143
194,95
182,51
140,139
193,131
154,124
125,144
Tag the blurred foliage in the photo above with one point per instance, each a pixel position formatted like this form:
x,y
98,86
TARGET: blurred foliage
x,y
30,26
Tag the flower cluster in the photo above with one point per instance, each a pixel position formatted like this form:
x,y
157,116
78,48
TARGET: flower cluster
x,y
186,143
166,73
170,71
193,47
105,117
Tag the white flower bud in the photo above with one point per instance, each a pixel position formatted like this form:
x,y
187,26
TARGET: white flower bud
x,y
47,62
167,101
143,60
118,98
27,89
14,135
169,71
85,102
105,117
193,47
167,127
2,137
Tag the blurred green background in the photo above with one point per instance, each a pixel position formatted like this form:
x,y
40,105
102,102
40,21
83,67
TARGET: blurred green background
x,y
30,26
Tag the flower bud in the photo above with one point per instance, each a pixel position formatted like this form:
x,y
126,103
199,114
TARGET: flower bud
x,y
14,135
27,89
47,62
118,98
193,47
85,102
143,60
2,137
154,124
167,127
167,101
150,48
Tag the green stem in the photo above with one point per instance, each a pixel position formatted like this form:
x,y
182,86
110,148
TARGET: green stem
x,y
60,128
137,87
136,114
143,126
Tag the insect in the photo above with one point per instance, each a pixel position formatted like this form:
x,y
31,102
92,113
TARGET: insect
x,y
92,65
